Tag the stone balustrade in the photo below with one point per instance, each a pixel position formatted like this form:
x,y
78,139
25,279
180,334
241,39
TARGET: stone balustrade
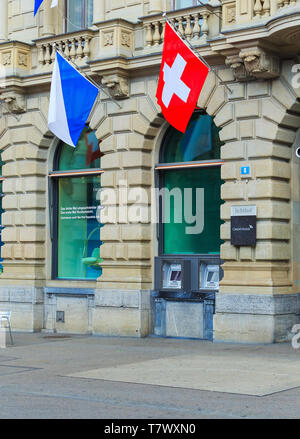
x,y
284,3
193,23
75,47
261,8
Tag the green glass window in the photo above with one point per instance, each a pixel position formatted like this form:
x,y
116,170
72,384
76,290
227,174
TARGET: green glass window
x,y
77,200
86,155
190,209
179,4
79,14
199,142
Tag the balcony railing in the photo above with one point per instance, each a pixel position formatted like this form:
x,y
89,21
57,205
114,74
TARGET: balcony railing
x,y
196,24
115,43
75,47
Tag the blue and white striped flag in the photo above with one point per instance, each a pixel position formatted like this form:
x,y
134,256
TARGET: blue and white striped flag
x,y
72,98
37,4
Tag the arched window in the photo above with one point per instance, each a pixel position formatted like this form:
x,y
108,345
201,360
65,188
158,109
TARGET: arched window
x,y
76,229
79,14
189,180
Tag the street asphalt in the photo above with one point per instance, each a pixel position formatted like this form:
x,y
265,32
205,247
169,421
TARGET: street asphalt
x,y
50,376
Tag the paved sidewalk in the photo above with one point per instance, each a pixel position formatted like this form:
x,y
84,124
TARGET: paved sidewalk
x,y
51,376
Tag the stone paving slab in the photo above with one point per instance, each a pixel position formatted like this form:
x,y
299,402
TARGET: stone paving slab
x,y
240,375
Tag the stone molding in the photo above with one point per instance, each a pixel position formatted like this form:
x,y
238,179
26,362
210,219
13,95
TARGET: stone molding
x,y
14,101
258,303
117,85
259,63
254,63
235,62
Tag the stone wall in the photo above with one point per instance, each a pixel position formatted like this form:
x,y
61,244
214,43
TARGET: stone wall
x,y
258,122
258,116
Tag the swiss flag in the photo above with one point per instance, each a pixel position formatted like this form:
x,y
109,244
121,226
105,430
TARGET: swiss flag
x,y
181,79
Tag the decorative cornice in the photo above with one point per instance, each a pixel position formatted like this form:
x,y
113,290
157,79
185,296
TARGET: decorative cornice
x,y
260,64
117,85
14,101
238,67
254,63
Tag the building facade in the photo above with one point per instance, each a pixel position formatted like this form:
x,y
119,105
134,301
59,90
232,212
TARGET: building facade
x,y
240,151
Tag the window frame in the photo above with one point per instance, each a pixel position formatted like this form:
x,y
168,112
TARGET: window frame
x,y
195,3
160,169
83,16
53,180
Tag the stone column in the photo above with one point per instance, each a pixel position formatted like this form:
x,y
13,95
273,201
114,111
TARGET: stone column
x,y
155,6
122,298
24,202
3,20
99,11
48,25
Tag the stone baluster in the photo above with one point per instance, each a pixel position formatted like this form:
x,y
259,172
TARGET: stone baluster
x,y
266,8
163,26
73,49
204,27
156,35
280,4
53,52
149,35
60,46
180,25
257,9
41,56
67,50
86,49
188,28
80,48
47,54
196,28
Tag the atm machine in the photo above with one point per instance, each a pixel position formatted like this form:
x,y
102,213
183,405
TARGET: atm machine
x,y
183,299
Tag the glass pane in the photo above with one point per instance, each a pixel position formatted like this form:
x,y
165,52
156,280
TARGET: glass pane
x,y
199,142
179,4
86,154
177,238
78,228
89,12
75,12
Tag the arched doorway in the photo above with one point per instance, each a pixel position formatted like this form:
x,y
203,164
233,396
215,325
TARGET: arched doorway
x,y
187,270
75,199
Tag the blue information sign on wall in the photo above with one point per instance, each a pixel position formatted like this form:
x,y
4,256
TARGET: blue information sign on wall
x,y
245,170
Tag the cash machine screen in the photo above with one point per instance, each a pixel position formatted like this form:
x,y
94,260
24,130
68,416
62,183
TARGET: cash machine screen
x,y
209,277
172,276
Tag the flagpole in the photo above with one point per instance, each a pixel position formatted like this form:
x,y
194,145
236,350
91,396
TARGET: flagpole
x,y
193,49
98,86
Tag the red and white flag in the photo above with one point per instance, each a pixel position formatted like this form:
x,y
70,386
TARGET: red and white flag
x,y
181,79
